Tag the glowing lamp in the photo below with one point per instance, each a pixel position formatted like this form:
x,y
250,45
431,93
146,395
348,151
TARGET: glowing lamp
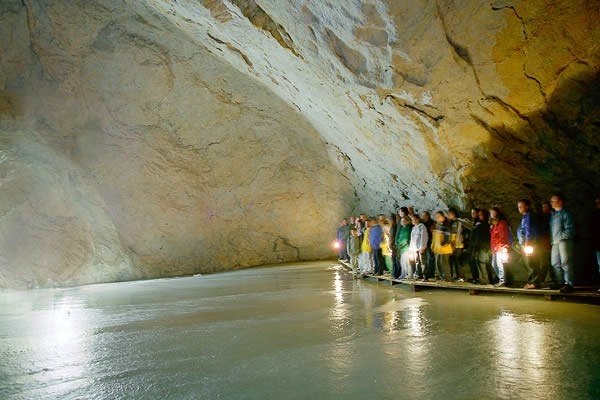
x,y
504,255
528,250
336,245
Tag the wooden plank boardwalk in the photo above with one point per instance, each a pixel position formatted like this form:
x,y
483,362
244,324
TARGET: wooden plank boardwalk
x,y
581,294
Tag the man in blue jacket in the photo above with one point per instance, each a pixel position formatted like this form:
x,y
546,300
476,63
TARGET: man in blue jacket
x,y
527,234
562,235
375,238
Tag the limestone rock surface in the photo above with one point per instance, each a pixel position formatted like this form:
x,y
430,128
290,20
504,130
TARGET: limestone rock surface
x,y
154,138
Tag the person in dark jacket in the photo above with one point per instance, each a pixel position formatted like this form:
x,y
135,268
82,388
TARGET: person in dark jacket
x,y
429,268
480,251
395,224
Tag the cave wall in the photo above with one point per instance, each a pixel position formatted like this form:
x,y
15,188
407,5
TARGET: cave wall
x,y
154,138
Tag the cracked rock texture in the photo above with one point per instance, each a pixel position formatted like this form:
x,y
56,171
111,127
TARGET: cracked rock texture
x,y
155,138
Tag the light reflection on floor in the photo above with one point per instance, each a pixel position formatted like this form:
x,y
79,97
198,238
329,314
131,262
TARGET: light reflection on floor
x,y
293,332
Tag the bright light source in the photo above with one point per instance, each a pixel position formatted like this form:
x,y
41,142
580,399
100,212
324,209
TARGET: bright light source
x,y
336,245
528,250
504,255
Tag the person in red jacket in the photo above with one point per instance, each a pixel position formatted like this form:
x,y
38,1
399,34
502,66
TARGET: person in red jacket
x,y
499,242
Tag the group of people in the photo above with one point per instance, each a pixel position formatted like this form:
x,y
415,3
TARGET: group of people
x,y
409,245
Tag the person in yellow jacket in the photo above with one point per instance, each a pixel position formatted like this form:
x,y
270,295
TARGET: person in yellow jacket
x,y
365,266
441,246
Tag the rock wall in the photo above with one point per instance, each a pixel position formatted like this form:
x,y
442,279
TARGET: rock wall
x,y
157,138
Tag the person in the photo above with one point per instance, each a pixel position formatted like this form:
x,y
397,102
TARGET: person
x,y
474,244
419,238
441,247
395,223
343,233
499,243
375,238
562,235
352,222
429,267
544,244
595,230
386,248
354,250
403,212
359,228
480,250
457,242
527,235
474,215
363,221
365,265
402,245
469,224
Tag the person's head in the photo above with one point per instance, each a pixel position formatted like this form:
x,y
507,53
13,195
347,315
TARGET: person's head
x,y
410,210
557,201
363,217
495,213
546,207
372,221
452,213
523,206
405,220
345,221
440,217
354,232
415,219
484,215
403,212
425,216
352,220
474,214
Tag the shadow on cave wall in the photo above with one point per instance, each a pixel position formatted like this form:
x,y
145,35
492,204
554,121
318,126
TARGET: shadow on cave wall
x,y
556,150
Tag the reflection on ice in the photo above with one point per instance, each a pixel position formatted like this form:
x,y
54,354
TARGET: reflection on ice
x,y
523,348
405,314
291,332
54,343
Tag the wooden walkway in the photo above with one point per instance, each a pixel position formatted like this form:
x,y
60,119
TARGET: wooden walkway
x,y
581,294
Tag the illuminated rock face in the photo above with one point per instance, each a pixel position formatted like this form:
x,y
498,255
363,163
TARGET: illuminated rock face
x,y
158,138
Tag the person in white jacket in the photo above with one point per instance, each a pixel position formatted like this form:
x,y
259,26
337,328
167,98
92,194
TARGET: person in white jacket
x,y
418,245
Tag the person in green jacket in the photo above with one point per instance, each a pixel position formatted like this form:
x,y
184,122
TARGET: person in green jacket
x,y
402,246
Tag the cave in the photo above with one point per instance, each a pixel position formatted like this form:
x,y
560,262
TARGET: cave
x,y
156,138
